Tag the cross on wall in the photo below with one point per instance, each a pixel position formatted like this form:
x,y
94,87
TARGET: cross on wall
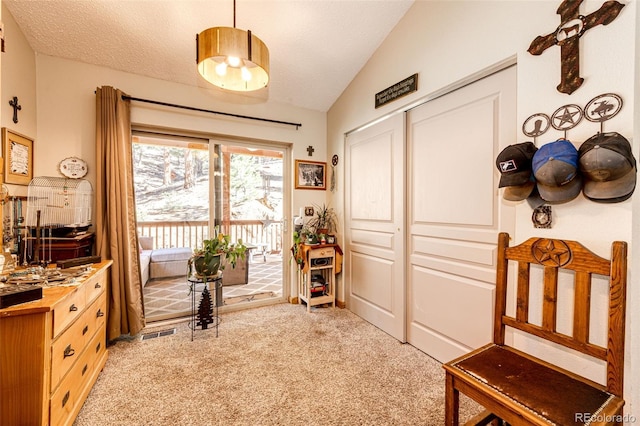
x,y
16,107
567,35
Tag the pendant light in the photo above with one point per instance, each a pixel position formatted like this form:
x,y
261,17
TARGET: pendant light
x,y
232,59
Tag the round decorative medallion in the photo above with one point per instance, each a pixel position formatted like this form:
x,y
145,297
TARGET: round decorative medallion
x,y
551,253
73,167
536,125
566,117
603,107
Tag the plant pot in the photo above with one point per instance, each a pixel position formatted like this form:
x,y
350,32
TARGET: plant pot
x,y
204,267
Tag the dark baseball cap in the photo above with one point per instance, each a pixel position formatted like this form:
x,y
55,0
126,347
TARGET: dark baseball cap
x,y
555,167
519,192
608,167
514,164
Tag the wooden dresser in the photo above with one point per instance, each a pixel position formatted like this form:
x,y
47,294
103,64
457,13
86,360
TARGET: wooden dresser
x,y
52,351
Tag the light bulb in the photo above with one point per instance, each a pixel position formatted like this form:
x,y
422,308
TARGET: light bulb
x,y
233,61
221,69
246,75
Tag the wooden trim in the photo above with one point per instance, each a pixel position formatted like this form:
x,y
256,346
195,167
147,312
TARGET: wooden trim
x,y
550,299
561,339
582,307
502,266
617,309
522,303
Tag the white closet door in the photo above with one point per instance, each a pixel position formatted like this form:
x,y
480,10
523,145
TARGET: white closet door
x,y
455,213
374,212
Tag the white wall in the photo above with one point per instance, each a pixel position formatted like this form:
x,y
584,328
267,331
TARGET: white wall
x,y
447,41
18,79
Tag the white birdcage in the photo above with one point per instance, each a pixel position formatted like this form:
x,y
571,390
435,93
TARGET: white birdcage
x,y
61,203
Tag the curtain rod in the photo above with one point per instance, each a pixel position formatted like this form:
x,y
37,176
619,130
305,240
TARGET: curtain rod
x,y
297,125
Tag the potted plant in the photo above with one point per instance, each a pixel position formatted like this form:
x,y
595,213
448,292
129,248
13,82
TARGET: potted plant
x,y
206,260
324,221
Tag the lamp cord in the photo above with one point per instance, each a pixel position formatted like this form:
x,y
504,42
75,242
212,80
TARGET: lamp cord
x,y
234,13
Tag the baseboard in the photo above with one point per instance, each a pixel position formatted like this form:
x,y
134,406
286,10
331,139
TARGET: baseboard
x,y
340,304
293,300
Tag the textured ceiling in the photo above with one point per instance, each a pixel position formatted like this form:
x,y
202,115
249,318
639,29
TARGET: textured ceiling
x,y
316,47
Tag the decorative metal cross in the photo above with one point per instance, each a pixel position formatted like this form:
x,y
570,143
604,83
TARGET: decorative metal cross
x,y
16,108
310,150
567,35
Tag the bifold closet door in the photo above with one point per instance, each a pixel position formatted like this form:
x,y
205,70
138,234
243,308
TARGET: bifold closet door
x,y
455,213
374,212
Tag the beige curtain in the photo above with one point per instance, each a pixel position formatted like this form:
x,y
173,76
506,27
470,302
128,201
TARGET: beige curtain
x,y
116,236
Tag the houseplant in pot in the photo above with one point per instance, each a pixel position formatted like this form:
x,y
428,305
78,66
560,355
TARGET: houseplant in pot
x,y
324,221
206,260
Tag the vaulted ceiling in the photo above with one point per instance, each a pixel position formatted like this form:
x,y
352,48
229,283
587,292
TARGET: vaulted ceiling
x,y
316,46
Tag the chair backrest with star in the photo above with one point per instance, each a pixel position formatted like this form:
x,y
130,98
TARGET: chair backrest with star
x,y
514,385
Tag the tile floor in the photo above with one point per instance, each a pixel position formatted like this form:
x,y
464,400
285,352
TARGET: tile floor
x,y
168,298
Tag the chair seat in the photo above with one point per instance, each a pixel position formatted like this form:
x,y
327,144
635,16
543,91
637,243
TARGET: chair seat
x,y
552,397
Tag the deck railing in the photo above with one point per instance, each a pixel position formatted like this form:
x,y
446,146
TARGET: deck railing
x,y
191,233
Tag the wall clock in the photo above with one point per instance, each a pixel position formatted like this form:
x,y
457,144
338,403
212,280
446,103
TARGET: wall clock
x,y
73,167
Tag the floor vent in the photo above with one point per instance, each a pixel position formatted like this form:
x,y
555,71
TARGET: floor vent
x,y
160,333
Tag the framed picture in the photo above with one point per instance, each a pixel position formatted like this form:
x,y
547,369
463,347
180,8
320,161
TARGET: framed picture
x,y
311,175
18,157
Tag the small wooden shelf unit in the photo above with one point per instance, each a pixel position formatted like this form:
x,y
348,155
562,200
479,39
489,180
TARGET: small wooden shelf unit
x,y
321,269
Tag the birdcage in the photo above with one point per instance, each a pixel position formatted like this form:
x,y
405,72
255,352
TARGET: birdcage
x,y
60,205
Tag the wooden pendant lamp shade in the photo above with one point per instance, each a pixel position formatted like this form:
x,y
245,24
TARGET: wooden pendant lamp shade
x,y
232,59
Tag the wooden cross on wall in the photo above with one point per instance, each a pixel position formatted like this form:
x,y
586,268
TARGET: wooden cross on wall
x,y
16,107
567,35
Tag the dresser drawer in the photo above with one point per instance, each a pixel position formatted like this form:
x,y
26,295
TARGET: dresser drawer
x,y
323,252
67,347
68,310
95,286
73,388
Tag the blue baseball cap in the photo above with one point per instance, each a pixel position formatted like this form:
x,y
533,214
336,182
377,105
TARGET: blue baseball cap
x,y
555,167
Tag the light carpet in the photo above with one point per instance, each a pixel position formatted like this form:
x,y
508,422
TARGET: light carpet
x,y
275,365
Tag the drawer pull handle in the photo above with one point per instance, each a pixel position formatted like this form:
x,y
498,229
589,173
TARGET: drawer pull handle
x,y
73,308
99,313
84,369
65,399
69,351
85,329
98,285
98,347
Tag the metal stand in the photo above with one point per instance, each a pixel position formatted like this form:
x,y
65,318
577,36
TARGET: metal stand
x,y
211,283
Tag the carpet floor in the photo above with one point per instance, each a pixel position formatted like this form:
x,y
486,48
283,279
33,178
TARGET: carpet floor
x,y
275,365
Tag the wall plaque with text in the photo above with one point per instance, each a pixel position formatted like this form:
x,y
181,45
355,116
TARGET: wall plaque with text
x,y
398,90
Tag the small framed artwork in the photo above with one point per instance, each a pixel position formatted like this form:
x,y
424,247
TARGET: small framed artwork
x,y
311,175
18,157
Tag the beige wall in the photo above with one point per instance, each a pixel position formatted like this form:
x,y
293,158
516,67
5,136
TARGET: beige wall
x,y
18,79
448,41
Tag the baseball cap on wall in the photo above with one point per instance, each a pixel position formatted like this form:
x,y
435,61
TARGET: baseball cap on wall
x,y
514,164
555,167
519,192
609,168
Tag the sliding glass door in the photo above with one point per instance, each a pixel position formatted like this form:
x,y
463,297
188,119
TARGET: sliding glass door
x,y
185,189
249,207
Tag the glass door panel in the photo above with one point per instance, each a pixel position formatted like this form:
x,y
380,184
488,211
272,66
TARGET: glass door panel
x,y
250,208
172,187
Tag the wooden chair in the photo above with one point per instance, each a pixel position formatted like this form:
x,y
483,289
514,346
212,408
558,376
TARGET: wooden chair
x,y
519,389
